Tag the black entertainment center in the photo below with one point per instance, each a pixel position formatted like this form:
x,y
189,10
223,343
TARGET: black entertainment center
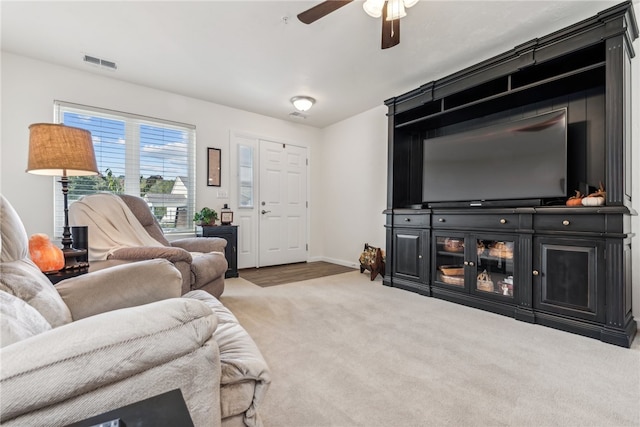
x,y
481,163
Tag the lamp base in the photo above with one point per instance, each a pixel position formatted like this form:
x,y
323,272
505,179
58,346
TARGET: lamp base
x,y
74,258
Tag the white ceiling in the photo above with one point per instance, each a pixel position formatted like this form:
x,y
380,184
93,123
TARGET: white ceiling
x,y
256,55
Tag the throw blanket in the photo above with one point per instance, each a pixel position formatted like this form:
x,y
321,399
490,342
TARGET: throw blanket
x,y
111,224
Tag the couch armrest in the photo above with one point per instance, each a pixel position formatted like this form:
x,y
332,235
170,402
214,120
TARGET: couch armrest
x,y
68,372
201,244
151,252
122,286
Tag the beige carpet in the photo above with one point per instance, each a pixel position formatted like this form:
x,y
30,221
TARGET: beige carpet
x,y
345,351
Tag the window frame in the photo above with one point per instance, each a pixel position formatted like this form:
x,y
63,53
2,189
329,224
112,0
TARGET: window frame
x,y
133,123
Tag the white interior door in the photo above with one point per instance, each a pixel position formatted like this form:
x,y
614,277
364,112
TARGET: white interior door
x,y
282,204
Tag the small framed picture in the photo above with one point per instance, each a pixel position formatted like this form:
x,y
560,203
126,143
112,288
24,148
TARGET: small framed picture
x,y
213,167
226,218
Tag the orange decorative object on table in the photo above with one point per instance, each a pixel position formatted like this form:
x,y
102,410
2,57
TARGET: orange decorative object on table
x,y
45,254
575,200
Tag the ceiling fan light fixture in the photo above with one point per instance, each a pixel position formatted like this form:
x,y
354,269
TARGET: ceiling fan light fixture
x,y
395,10
373,7
302,103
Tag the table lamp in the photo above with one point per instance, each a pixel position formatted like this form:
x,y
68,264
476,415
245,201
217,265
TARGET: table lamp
x,y
59,150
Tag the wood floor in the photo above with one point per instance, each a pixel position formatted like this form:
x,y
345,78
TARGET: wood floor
x,y
281,274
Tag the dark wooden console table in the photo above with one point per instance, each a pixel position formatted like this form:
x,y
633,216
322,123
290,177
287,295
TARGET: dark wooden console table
x,y
164,410
568,268
230,234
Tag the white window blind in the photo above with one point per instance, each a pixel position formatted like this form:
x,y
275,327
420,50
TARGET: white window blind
x,y
136,155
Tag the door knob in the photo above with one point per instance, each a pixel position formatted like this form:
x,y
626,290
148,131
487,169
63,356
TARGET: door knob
x,y
535,272
265,212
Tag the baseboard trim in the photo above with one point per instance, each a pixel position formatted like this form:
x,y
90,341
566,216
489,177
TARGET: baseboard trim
x,y
350,264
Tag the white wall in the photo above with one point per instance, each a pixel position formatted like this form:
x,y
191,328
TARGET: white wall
x,y
352,162
351,191
29,88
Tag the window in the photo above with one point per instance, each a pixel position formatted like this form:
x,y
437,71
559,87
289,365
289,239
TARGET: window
x,y
136,155
245,168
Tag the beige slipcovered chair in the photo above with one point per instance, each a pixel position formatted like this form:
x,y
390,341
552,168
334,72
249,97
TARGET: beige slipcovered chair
x,y
122,229
109,338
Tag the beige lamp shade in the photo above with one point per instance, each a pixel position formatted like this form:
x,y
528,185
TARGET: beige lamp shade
x,y
60,150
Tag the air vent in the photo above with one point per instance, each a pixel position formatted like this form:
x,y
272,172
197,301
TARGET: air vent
x,y
92,60
100,62
297,115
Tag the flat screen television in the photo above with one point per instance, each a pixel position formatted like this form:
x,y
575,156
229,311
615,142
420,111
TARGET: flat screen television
x,y
517,163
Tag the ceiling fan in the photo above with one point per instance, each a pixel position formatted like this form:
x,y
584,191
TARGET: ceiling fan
x,y
390,10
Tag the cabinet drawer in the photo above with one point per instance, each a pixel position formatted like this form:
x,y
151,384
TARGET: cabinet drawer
x,y
593,223
410,220
494,222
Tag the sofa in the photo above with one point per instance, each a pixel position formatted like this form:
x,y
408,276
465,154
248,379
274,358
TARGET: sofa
x,y
107,339
123,229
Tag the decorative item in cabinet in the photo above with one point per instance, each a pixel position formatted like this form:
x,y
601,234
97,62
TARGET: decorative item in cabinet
x,y
453,245
501,250
506,286
453,280
452,270
484,282
480,247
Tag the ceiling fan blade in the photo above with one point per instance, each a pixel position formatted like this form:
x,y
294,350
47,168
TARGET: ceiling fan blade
x,y
390,30
321,10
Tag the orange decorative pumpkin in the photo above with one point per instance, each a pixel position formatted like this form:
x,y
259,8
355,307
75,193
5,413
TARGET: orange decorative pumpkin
x,y
575,200
45,254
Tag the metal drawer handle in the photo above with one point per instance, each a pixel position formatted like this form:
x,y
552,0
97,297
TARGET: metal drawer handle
x,y
535,272
419,256
565,222
407,220
440,219
469,263
503,221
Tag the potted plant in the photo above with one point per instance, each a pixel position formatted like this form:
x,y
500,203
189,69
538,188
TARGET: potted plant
x,y
206,216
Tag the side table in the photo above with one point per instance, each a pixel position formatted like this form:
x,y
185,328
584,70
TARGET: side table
x,y
230,234
67,273
164,410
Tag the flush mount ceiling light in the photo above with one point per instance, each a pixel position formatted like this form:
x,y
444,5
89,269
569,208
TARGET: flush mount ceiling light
x,y
302,103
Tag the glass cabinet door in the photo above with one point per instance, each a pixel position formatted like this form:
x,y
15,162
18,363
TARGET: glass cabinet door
x,y
449,260
494,271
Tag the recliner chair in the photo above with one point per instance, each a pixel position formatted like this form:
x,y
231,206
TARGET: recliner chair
x,y
109,338
115,239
